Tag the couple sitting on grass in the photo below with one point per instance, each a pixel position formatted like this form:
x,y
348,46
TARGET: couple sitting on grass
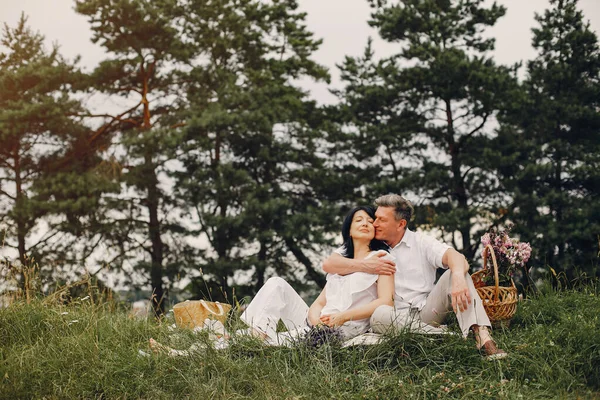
x,y
383,278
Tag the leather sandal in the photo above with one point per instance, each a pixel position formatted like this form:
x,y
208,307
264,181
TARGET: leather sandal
x,y
491,352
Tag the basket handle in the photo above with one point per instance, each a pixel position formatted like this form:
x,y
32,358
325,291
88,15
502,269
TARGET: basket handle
x,y
219,308
486,249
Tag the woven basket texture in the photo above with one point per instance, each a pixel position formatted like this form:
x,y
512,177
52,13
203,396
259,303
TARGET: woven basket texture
x,y
192,314
500,302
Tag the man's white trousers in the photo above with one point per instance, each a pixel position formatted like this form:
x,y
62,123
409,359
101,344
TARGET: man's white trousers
x,y
437,308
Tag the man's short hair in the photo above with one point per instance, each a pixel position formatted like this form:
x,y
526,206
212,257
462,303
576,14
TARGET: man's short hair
x,y
403,209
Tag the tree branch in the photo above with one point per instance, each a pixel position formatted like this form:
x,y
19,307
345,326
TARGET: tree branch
x,y
300,256
7,195
105,127
93,247
466,137
43,240
463,176
178,125
4,162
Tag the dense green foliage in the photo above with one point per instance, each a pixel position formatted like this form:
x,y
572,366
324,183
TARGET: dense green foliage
x,y
91,350
423,117
145,53
251,161
43,184
551,145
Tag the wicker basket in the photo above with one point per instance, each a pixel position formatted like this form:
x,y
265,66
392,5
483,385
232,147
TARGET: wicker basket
x,y
192,314
500,302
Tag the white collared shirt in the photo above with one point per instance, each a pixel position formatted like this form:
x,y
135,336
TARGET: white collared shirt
x,y
417,258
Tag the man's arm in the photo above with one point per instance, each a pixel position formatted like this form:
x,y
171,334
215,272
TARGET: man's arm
x,y
338,264
457,263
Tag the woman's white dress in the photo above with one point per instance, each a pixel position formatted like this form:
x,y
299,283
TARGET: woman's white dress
x,y
277,300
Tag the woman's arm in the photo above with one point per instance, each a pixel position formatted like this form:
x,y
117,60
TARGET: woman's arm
x,y
314,312
385,296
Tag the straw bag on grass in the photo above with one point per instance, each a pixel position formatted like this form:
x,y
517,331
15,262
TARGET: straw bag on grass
x,y
499,302
192,313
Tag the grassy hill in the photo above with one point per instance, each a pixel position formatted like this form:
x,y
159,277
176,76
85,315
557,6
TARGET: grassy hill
x,y
91,350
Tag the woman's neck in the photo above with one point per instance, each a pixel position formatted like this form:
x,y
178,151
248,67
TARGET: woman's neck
x,y
361,248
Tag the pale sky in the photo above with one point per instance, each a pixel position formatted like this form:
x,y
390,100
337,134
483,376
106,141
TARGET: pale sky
x,y
342,24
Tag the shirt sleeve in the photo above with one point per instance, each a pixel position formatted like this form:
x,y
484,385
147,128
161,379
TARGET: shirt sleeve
x,y
434,251
340,250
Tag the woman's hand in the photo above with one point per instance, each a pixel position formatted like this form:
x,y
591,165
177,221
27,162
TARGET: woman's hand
x,y
314,321
334,320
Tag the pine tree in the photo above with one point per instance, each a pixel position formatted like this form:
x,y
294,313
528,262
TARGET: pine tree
x,y
146,51
431,111
254,171
373,127
41,186
553,135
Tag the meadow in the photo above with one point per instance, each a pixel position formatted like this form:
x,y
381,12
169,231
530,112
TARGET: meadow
x,y
90,348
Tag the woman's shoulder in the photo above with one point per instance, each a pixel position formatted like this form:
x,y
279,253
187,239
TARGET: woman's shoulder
x,y
385,255
352,283
353,277
373,253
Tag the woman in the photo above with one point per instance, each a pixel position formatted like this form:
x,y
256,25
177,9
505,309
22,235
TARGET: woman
x,y
346,302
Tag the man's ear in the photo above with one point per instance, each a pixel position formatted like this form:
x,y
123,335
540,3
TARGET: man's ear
x,y
402,224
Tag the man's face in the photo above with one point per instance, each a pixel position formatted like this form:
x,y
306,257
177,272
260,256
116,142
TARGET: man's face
x,y
386,227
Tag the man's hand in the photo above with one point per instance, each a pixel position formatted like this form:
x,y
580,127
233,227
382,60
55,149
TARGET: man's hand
x,y
379,266
461,298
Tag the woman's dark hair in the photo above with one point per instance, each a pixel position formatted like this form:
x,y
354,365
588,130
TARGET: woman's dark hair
x,y
348,247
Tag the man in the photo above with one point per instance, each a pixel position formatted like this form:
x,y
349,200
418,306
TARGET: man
x,y
417,296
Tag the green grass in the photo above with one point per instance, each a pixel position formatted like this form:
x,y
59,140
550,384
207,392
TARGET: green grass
x,y
553,341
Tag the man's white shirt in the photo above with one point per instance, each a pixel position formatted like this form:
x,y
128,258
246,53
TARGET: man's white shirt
x,y
418,256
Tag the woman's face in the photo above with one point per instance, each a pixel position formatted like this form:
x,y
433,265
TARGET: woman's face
x,y
362,226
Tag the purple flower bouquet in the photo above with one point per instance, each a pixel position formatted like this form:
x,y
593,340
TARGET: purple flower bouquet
x,y
511,254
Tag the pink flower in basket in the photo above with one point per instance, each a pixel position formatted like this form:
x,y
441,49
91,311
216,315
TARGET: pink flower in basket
x,y
510,253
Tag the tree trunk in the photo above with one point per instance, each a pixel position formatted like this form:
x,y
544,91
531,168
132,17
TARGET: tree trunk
x,y
20,210
156,272
318,278
222,241
458,188
261,266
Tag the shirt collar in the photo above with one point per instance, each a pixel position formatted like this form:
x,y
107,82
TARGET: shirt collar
x,y
408,239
